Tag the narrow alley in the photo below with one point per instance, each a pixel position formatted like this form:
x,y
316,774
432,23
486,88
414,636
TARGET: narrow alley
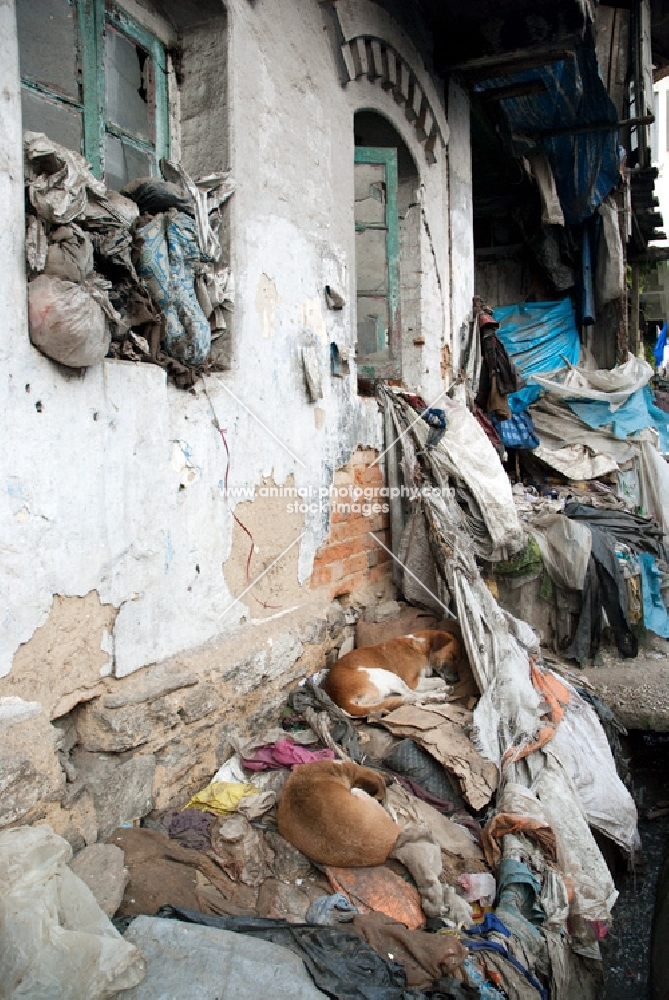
x,y
334,643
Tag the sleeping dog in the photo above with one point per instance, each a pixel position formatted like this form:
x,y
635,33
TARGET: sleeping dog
x,y
332,812
381,678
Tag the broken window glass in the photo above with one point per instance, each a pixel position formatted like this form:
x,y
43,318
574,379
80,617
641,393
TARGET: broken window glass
x,y
128,84
60,122
377,262
67,50
124,162
47,31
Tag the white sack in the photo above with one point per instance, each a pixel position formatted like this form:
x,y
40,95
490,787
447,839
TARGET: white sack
x,y
69,322
611,283
55,941
565,548
581,745
612,386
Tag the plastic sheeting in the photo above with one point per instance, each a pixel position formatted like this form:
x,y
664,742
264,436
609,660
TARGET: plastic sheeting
x,y
538,336
509,713
613,386
558,428
586,165
55,941
636,413
565,548
655,615
464,453
581,744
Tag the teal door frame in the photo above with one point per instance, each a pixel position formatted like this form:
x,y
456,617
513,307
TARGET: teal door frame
x,y
392,367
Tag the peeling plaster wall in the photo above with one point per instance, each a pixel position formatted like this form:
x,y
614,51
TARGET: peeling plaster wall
x,y
461,214
114,483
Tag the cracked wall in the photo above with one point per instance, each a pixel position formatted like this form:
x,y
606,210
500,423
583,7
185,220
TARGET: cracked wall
x,y
120,546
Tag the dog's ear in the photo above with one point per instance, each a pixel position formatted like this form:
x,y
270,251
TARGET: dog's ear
x,y
446,650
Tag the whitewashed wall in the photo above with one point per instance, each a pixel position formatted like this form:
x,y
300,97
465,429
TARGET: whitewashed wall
x,y
92,479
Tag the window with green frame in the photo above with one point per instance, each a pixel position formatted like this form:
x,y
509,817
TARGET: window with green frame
x,y
94,80
377,257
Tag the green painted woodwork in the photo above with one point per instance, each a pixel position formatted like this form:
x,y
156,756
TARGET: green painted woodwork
x,y
92,16
390,366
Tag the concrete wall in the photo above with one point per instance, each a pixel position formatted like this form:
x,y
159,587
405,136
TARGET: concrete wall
x,y
114,480
461,215
120,546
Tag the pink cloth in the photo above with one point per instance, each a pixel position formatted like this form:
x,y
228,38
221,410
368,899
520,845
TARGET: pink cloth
x,y
285,753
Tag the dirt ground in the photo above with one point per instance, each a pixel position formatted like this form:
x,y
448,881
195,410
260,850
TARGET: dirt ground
x,y
636,690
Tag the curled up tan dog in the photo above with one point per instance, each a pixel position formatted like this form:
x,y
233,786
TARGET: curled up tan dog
x,y
332,812
381,678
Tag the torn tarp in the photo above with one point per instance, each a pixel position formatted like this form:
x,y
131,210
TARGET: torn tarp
x,y
539,337
655,615
586,165
635,414
340,962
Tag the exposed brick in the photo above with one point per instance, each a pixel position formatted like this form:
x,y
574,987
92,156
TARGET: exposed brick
x,y
349,584
372,557
341,550
321,576
381,572
355,563
343,477
349,528
370,475
384,556
363,456
337,571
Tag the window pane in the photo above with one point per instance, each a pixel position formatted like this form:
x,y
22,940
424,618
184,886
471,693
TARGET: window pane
x,y
47,31
58,121
373,329
128,85
371,261
124,163
370,194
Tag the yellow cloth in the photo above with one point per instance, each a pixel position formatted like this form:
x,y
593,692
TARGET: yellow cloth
x,y
221,797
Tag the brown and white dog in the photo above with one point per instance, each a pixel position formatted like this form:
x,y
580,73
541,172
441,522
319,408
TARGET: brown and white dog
x,y
329,811
381,678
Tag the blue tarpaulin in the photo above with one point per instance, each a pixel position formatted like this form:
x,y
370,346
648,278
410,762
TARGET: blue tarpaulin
x,y
638,412
586,165
538,336
655,615
660,344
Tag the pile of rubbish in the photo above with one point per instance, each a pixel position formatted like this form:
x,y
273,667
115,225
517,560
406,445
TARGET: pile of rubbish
x,y
585,441
136,275
504,799
492,883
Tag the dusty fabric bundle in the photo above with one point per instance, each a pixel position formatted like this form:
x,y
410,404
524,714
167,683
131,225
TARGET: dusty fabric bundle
x,y
70,322
70,254
168,256
58,179
164,873
153,195
425,957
